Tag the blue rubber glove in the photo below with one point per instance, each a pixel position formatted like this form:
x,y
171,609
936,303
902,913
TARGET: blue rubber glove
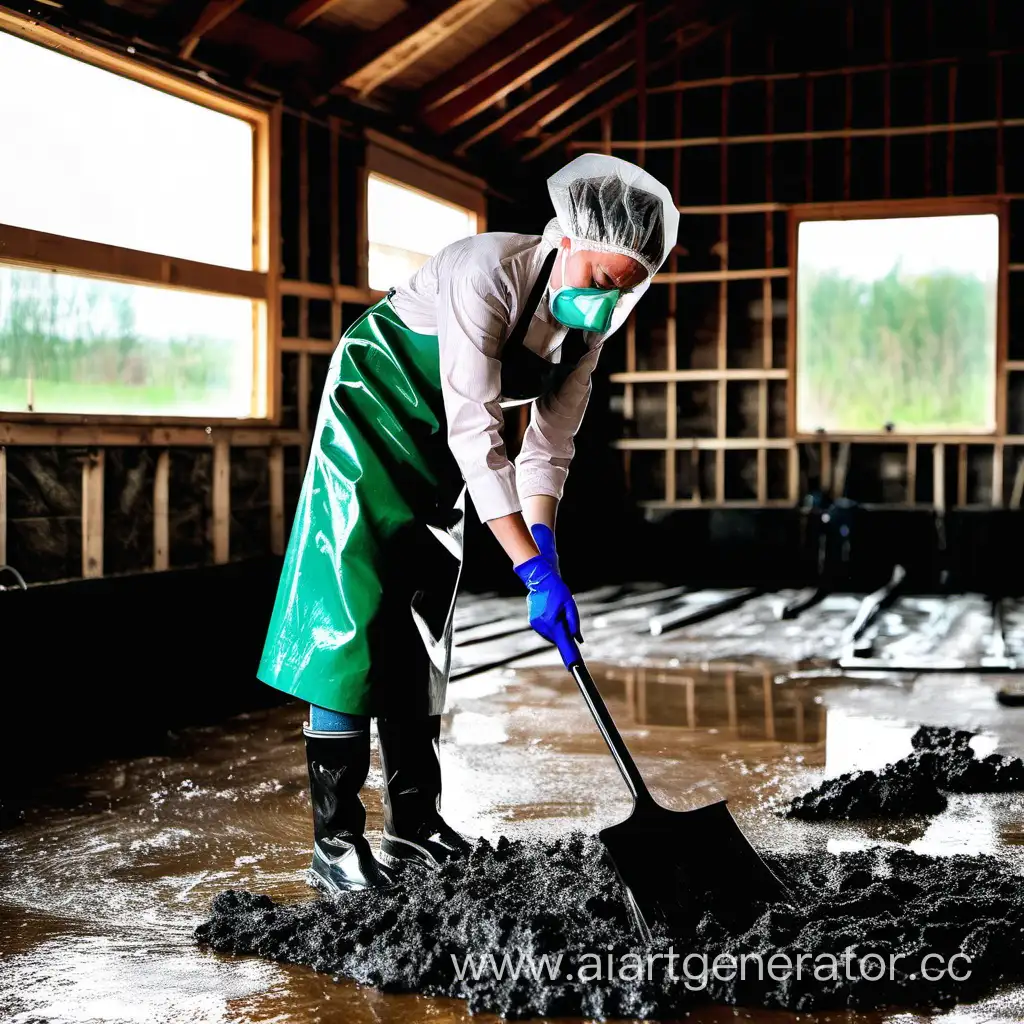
x,y
550,605
545,540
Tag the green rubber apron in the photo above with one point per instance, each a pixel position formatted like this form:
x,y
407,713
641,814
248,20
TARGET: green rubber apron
x,y
362,621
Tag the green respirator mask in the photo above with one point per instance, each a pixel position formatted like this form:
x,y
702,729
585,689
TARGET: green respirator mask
x,y
588,309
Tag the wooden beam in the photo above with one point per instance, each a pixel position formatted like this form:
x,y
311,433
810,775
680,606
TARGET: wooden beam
x,y
211,14
123,435
555,138
3,506
92,513
530,117
542,108
705,276
939,477
710,444
593,19
40,250
528,32
664,376
161,512
221,502
369,47
306,11
276,473
559,135
894,131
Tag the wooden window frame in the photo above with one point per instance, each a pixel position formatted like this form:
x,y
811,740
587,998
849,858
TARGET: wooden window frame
x,y
407,167
39,250
882,209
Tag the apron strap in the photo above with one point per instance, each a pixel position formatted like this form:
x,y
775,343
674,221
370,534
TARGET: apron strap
x,y
518,333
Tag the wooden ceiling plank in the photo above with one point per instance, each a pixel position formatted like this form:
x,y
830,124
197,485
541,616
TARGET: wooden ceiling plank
x,y
590,21
305,12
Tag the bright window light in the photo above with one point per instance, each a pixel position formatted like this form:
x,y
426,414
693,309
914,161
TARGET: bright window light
x,y
405,228
896,324
94,155
81,345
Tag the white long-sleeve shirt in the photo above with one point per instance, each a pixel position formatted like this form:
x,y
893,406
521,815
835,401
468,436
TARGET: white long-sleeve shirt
x,y
470,296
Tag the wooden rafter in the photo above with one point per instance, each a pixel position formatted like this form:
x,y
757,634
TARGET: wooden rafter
x,y
525,33
538,110
203,17
304,12
530,117
575,30
683,40
374,57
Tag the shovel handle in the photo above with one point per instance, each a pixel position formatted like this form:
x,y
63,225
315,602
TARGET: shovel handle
x,y
574,662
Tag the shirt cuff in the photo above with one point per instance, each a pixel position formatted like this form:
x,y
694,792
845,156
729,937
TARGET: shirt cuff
x,y
494,493
532,481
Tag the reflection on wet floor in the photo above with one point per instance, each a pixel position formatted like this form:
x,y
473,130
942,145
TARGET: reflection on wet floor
x,y
97,902
742,701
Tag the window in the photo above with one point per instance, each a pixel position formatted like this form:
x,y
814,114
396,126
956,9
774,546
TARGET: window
x,y
405,227
133,235
896,324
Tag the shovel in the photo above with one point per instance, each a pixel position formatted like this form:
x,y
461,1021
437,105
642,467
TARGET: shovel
x,y
675,865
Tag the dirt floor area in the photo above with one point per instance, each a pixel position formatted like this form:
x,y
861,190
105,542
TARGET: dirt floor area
x,y
104,883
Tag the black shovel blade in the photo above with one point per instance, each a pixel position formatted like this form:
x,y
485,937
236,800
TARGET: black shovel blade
x,y
677,865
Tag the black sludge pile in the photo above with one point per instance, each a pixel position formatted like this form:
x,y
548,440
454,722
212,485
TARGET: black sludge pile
x,y
866,923
942,761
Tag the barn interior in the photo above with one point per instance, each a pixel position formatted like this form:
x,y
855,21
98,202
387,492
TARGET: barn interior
x,y
793,523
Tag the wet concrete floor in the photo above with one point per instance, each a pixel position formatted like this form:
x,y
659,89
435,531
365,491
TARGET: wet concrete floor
x,y
101,886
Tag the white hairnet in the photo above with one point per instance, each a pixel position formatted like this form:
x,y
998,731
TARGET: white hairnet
x,y
607,204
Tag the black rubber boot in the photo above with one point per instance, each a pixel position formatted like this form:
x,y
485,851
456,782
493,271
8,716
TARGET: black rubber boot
x,y
413,827
342,859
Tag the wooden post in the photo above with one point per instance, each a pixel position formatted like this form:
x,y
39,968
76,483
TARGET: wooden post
x,y
334,212
997,475
641,78
3,505
961,475
912,473
221,502
304,386
276,469
92,513
939,477
671,339
769,705
273,319
768,311
951,134
731,705
721,409
848,106
161,512
303,223
929,103
809,145
887,102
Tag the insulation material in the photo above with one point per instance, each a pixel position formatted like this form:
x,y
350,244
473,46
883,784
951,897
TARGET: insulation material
x,y
128,479
191,506
250,502
44,512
